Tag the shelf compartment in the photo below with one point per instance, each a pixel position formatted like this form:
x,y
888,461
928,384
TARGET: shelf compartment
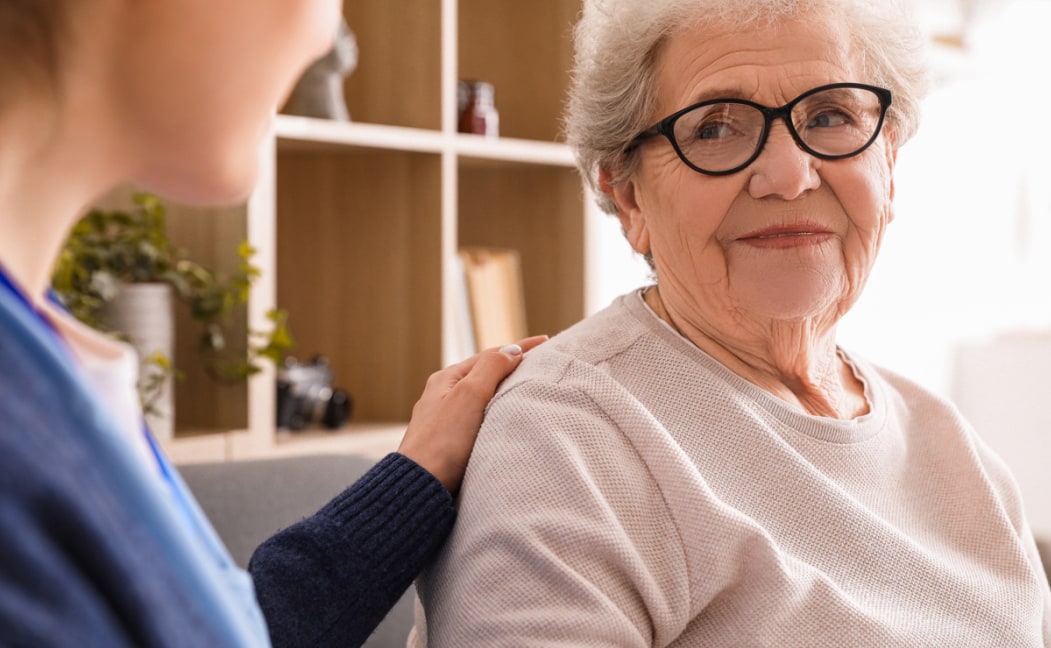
x,y
211,236
525,49
538,211
203,403
359,270
398,77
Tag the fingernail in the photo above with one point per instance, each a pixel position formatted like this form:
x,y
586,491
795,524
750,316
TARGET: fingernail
x,y
511,350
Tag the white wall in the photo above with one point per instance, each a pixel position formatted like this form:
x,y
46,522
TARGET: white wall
x,y
960,299
613,267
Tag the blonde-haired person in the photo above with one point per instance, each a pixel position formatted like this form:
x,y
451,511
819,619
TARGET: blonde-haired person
x,y
102,543
700,464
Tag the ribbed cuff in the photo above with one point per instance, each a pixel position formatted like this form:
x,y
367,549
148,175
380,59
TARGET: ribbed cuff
x,y
397,513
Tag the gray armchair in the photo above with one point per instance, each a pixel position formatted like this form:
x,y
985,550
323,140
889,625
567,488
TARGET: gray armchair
x,y
247,501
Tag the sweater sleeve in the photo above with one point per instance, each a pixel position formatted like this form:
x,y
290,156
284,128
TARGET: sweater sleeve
x,y
563,538
331,578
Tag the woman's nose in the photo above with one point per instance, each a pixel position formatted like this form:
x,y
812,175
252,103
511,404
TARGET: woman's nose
x,y
783,169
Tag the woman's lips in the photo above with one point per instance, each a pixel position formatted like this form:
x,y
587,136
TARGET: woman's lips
x,y
786,236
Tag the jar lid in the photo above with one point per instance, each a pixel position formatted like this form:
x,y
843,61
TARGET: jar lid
x,y
478,89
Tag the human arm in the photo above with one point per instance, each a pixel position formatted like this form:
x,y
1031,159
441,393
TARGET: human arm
x,y
563,536
331,578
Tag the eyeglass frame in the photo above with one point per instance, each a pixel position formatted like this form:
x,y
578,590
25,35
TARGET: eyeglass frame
x,y
666,126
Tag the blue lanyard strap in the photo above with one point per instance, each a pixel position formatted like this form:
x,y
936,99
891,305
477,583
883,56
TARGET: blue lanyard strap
x,y
169,478
8,284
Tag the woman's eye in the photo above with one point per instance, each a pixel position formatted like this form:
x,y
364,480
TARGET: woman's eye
x,y
714,130
829,119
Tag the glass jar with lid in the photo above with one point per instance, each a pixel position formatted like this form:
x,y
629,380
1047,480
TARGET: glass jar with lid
x,y
478,112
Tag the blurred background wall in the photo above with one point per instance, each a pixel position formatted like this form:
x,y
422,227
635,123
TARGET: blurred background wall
x,y
960,299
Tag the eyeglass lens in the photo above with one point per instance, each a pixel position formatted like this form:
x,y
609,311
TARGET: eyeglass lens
x,y
723,135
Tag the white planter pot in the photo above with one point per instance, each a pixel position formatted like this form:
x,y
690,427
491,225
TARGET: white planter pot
x,y
144,312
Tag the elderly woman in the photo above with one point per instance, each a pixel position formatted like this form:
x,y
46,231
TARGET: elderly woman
x,y
700,464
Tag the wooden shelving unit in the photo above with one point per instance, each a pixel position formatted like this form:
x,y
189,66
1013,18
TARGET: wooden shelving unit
x,y
356,225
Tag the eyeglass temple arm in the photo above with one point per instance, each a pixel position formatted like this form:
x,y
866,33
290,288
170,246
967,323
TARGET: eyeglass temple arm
x,y
652,131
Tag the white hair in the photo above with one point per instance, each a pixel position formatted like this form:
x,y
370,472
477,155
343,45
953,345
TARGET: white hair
x,y
614,89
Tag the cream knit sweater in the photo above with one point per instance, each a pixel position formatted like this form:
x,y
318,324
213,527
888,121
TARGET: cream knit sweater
x,y
628,490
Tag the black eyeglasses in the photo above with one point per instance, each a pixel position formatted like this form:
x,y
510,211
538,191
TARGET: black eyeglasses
x,y
723,136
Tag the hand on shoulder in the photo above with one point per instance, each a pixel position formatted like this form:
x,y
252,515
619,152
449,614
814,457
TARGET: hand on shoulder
x,y
446,418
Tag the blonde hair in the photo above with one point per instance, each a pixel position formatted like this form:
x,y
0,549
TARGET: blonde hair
x,y
614,87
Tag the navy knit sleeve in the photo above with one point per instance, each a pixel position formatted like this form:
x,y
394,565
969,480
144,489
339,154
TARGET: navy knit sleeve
x,y
331,578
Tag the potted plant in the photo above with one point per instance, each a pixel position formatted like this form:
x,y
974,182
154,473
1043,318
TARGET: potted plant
x,y
118,270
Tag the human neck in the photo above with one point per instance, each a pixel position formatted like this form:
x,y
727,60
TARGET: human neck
x,y
40,199
57,158
791,360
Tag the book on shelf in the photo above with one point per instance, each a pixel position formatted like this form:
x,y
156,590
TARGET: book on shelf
x,y
463,326
494,295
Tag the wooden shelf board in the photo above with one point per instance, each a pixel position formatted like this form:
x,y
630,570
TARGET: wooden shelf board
x,y
199,446
309,134
477,148
374,440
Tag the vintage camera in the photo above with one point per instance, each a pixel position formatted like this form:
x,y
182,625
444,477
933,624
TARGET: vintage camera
x,y
305,396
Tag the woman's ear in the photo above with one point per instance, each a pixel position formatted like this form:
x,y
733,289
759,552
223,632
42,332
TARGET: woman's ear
x,y
892,161
632,217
